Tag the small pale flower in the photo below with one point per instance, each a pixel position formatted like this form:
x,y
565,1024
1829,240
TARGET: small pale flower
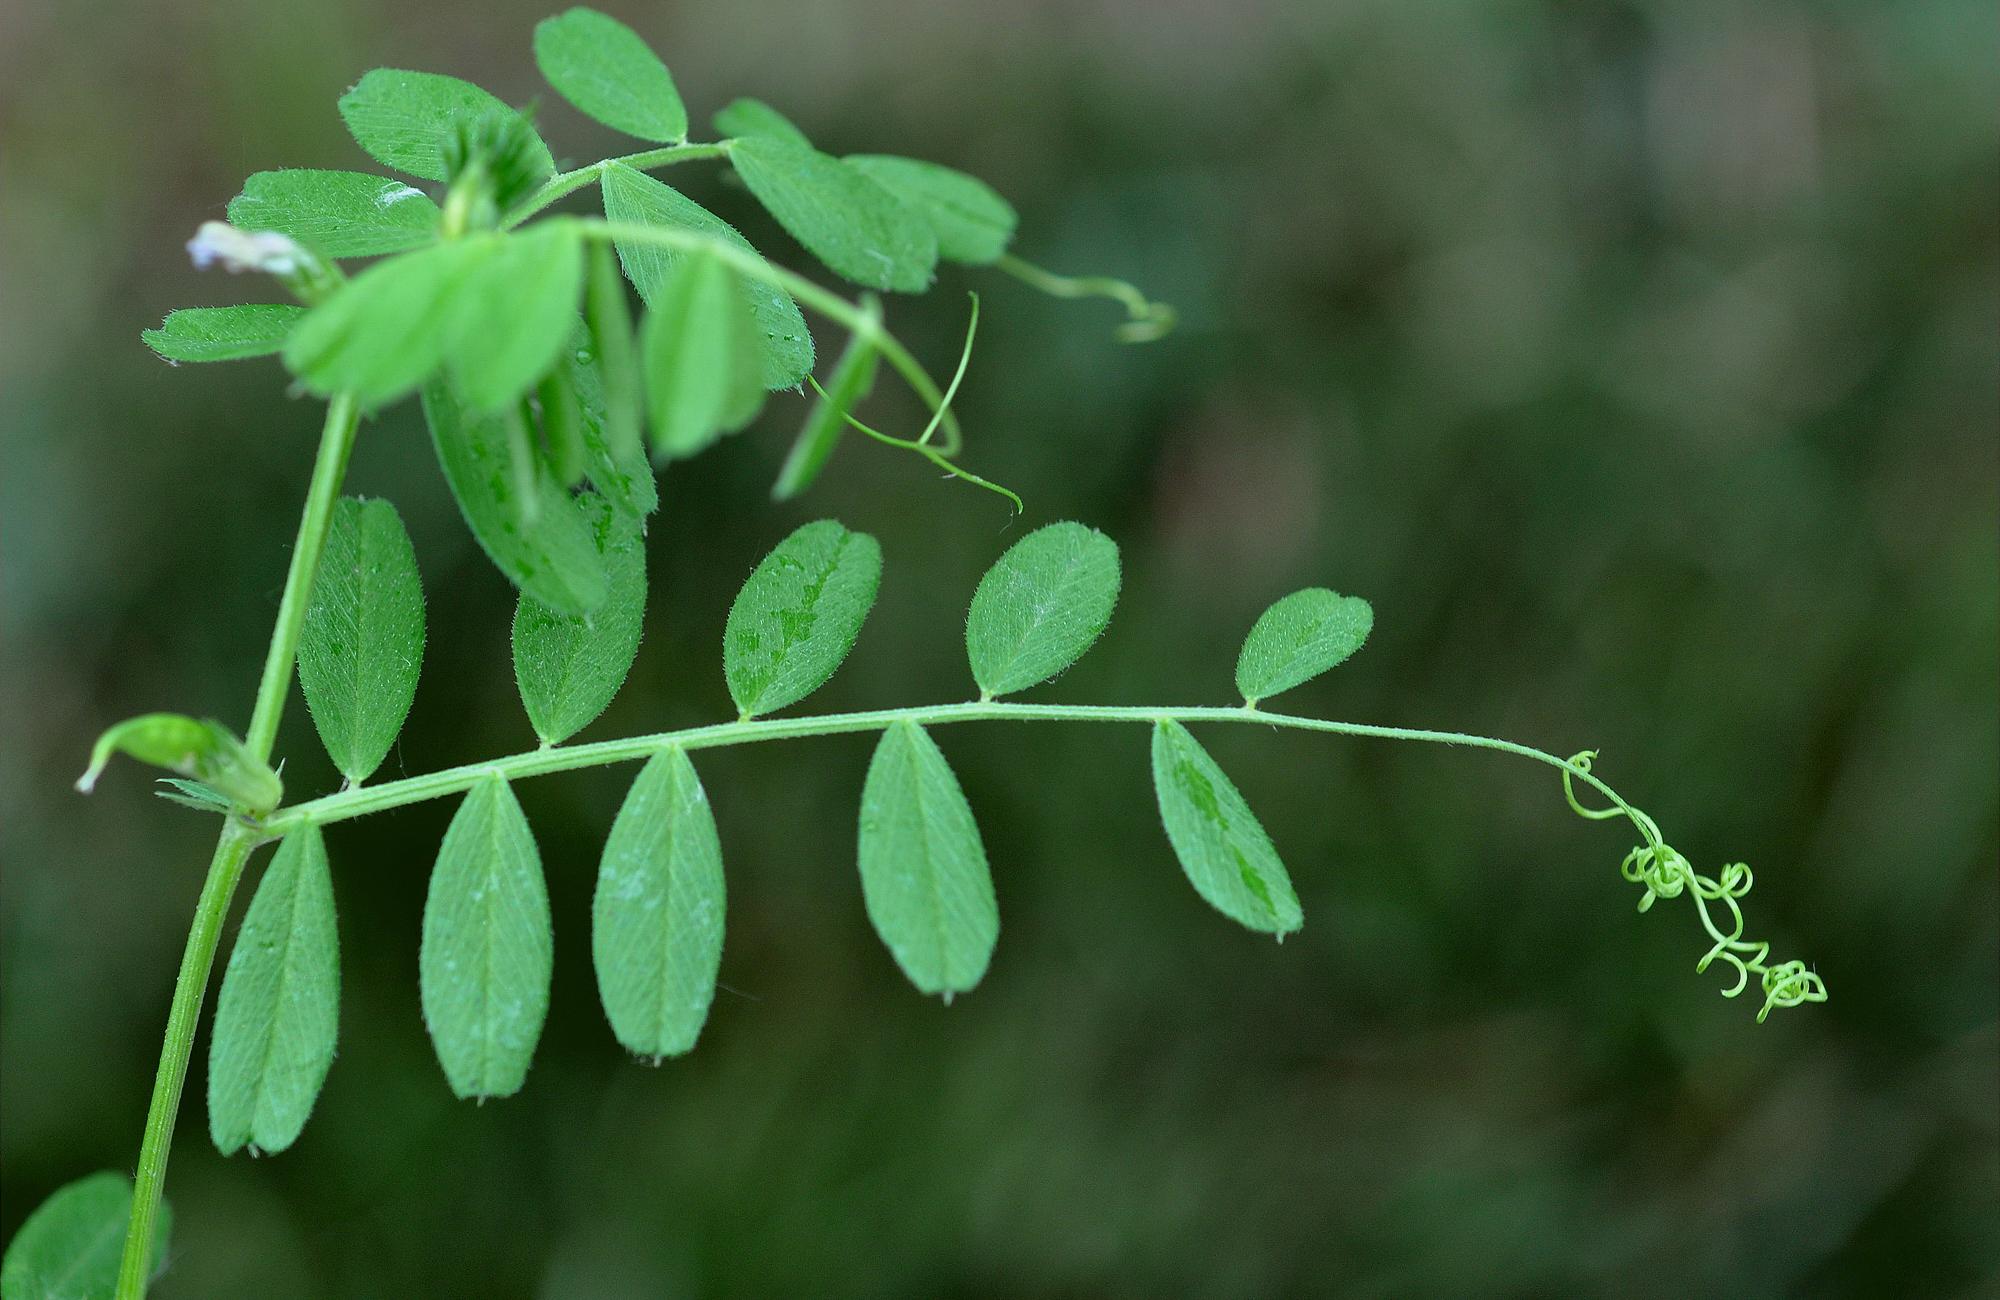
x,y
243,250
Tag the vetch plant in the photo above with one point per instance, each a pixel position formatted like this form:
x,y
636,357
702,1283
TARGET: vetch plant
x,y
549,407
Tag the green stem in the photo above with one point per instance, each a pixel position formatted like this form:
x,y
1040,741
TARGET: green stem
x,y
1146,320
434,785
224,870
563,184
854,318
336,444
232,850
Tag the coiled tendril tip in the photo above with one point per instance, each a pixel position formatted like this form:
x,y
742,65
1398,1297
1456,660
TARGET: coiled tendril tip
x,y
1666,873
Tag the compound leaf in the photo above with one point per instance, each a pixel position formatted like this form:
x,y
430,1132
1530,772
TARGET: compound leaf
x,y
632,196
747,117
515,311
1222,848
382,333
337,214
609,73
207,751
488,946
853,378
656,921
1298,638
69,1248
569,666
278,1015
856,227
403,118
363,641
973,224
924,876
223,333
701,356
798,615
1040,607
537,535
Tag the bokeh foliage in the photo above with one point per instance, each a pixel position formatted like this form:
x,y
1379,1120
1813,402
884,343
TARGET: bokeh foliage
x,y
1635,360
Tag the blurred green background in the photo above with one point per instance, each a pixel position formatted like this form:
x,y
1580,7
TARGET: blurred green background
x,y
1638,362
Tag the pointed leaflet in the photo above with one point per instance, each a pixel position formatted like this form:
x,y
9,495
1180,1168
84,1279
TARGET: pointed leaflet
x,y
384,331
1224,851
569,666
1040,607
923,870
488,946
656,922
279,1012
69,1248
603,67
973,224
205,750
856,227
561,419
363,641
629,195
1299,638
543,543
223,333
337,214
798,615
514,312
605,370
853,378
403,119
701,357
745,117
613,443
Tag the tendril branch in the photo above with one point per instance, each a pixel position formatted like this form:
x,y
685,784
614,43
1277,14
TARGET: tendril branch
x,y
1666,873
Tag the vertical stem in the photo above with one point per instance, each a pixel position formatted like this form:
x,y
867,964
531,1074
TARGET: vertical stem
x,y
232,850
336,442
190,986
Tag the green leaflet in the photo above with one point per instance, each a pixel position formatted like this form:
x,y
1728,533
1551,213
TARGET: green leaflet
x,y
614,445
383,332
798,615
337,214
1040,606
69,1248
603,68
747,117
701,357
631,195
403,118
1225,853
973,224
488,946
223,333
515,312
605,370
363,641
278,1015
497,309
853,378
1299,638
856,227
542,542
923,870
569,666
207,751
561,421
656,921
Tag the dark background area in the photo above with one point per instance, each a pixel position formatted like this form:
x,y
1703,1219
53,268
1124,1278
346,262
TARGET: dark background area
x,y
1638,362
